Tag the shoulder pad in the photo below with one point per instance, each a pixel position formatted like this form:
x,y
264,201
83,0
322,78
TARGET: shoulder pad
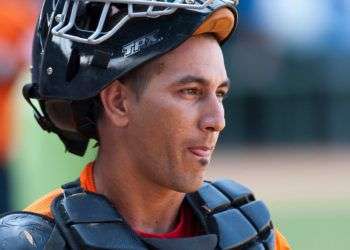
x,y
23,230
230,210
89,221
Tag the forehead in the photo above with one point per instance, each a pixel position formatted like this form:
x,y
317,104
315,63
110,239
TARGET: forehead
x,y
198,56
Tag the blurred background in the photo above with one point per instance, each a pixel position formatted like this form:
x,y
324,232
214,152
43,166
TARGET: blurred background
x,y
288,127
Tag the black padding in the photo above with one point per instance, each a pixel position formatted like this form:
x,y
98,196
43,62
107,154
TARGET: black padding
x,y
89,208
89,221
56,241
269,242
237,193
75,185
202,242
258,214
242,224
72,188
256,247
107,236
211,197
24,231
233,229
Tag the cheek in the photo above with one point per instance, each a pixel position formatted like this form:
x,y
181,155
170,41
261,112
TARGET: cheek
x,y
169,114
164,123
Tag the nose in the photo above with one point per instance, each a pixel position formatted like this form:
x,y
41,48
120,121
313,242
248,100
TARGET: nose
x,y
213,118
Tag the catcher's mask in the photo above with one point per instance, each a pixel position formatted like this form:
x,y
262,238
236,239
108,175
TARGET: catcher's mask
x,y
82,46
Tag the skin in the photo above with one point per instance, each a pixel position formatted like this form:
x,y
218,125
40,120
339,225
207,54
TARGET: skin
x,y
156,147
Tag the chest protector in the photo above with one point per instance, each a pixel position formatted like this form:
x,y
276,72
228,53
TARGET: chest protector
x,y
228,212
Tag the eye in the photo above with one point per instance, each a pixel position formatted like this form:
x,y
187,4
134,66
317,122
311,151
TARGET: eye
x,y
221,94
191,91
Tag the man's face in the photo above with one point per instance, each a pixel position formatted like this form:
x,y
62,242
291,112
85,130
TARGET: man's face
x,y
175,124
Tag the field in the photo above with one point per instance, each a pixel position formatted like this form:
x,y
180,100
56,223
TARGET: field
x,y
307,188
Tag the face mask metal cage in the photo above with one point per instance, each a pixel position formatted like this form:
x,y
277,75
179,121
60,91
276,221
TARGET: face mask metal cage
x,y
152,9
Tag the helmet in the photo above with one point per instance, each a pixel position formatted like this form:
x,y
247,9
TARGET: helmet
x,y
82,46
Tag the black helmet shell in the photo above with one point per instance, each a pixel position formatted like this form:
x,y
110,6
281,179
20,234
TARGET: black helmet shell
x,y
74,71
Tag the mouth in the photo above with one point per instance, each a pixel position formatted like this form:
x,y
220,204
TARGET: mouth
x,y
201,151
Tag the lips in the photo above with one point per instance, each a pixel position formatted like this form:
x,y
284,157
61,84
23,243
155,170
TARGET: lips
x,y
201,151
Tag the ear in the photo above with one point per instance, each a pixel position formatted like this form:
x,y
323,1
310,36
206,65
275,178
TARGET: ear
x,y
115,102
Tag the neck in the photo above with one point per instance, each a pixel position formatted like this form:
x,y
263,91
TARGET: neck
x,y
146,206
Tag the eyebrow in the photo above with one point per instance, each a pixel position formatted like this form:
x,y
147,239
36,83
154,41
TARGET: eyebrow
x,y
190,78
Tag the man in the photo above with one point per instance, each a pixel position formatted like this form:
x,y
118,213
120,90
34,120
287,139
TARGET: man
x,y
146,79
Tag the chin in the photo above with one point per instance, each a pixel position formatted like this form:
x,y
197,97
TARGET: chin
x,y
190,186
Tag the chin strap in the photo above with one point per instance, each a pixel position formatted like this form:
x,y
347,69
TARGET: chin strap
x,y
30,91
